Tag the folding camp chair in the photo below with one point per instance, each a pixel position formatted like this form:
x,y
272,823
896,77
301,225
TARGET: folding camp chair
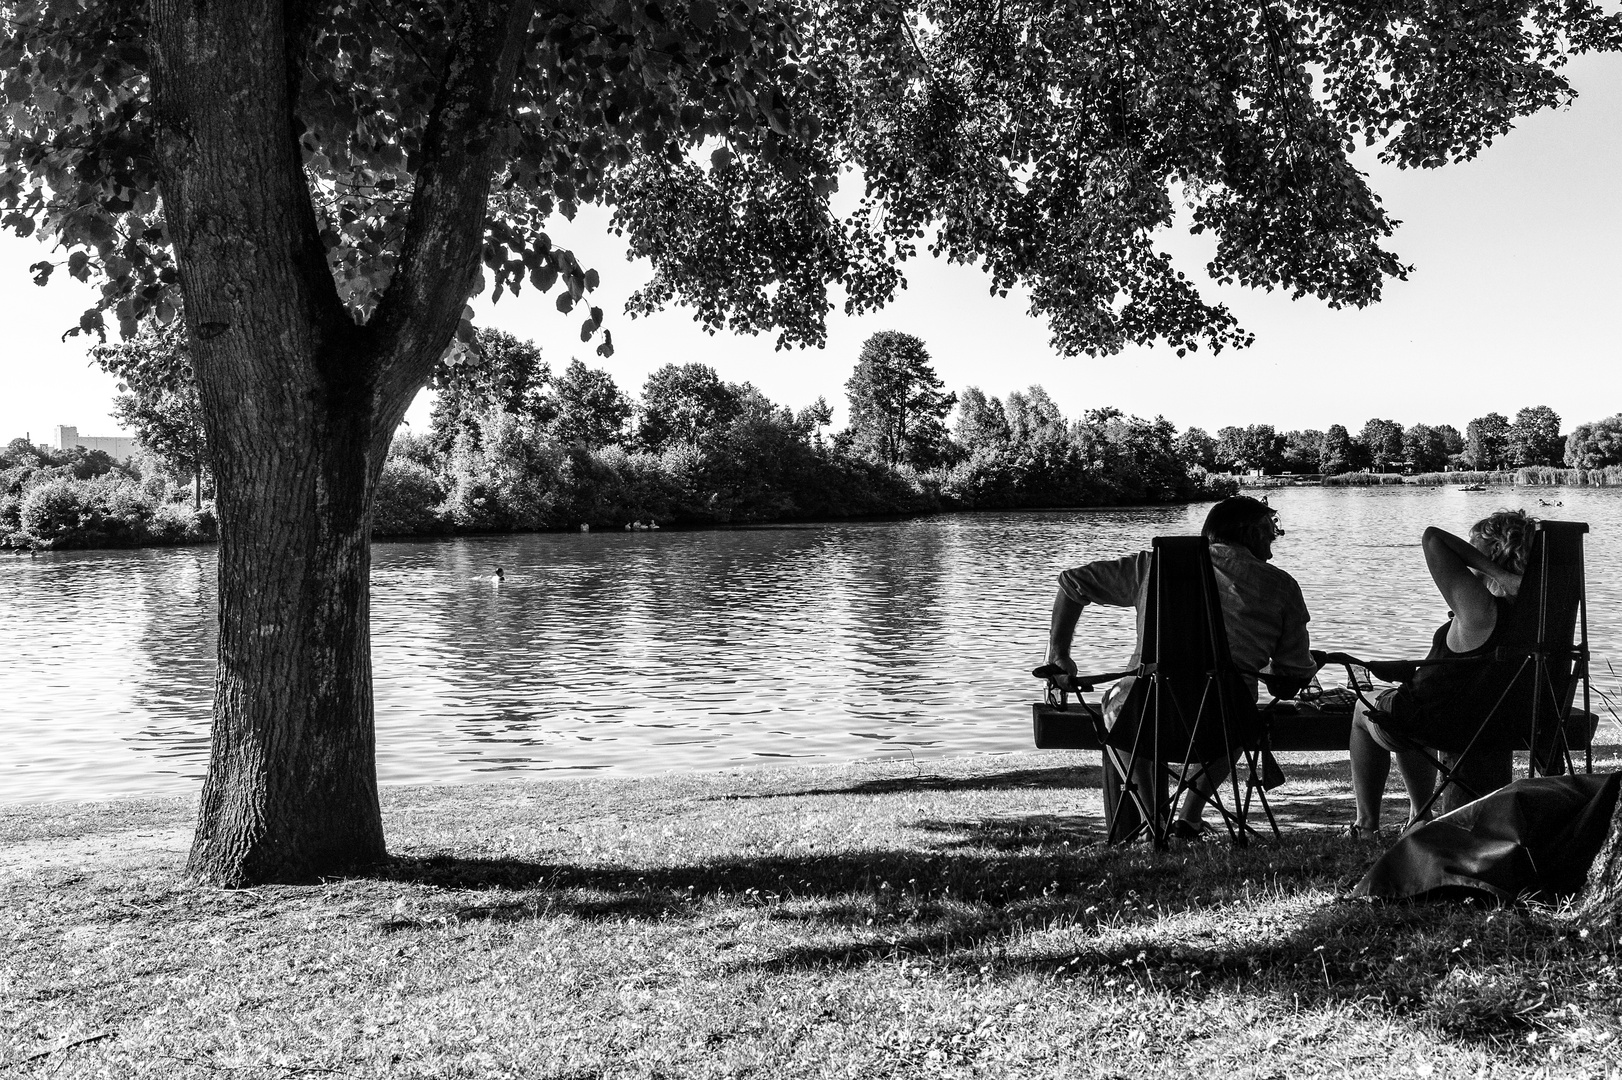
x,y
1188,706
1523,695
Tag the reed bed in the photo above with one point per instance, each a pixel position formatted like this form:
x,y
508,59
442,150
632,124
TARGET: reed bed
x,y
1541,476
1444,479
1365,479
1545,476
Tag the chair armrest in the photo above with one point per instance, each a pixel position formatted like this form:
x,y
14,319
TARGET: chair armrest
x,y
1385,670
1055,674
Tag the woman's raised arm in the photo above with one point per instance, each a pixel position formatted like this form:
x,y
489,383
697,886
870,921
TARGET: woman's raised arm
x,y
1451,559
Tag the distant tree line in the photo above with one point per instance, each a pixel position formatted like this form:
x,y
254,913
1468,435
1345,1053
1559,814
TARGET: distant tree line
x,y
514,445
1488,443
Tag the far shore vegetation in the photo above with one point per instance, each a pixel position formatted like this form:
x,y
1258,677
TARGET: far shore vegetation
x,y
514,446
939,918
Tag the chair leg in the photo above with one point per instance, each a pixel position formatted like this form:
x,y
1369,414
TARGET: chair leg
x,y
1230,821
1254,781
1447,778
1126,770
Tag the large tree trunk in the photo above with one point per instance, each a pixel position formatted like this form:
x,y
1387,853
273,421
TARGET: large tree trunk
x,y
292,787
300,404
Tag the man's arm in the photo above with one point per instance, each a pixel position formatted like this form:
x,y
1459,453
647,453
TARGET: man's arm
x,y
1291,666
1062,630
1116,582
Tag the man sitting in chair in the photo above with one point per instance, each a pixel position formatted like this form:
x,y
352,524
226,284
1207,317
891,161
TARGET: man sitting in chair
x,y
1262,607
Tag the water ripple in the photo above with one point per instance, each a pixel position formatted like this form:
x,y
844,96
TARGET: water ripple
x,y
643,652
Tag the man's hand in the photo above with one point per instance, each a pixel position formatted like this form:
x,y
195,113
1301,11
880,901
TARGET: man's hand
x,y
1283,687
1063,661
1059,669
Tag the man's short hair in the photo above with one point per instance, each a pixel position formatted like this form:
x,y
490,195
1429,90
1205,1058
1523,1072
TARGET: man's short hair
x,y
1239,520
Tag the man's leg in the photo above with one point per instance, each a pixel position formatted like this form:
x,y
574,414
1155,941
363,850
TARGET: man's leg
x,y
1121,814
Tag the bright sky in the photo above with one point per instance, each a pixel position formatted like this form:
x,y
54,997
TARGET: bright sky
x,y
1514,301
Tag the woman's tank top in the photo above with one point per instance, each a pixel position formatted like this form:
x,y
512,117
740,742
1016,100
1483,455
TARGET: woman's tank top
x,y
1437,705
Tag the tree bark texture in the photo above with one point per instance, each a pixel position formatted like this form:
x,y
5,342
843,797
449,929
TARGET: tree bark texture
x,y
300,404
1600,903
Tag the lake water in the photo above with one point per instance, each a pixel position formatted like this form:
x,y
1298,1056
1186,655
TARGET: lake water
x,y
645,652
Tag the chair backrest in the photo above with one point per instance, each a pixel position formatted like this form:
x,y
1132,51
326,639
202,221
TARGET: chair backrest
x,y
1191,704
1542,628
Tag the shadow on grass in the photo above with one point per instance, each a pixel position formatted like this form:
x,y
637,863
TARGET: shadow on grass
x,y
1041,895
1061,778
1017,898
1058,778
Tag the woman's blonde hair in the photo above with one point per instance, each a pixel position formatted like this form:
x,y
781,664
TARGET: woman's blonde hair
x,y
1508,535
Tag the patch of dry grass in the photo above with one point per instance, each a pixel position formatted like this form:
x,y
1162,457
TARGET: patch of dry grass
x,y
957,918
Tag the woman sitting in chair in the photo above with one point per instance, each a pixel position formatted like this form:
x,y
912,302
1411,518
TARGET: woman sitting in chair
x,y
1477,577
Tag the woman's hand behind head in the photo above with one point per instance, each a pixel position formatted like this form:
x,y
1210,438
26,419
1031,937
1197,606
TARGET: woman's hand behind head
x,y
1505,537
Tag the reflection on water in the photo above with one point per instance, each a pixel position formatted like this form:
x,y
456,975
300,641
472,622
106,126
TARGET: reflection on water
x,y
642,652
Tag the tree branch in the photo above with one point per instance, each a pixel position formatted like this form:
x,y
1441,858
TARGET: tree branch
x,y
444,235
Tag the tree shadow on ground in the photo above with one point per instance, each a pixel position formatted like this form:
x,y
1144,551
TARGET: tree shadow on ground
x,y
1059,778
1040,894
989,865
1025,896
1315,794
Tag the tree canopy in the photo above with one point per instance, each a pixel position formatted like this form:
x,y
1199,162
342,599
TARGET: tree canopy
x,y
1487,441
1596,445
498,372
684,403
1425,447
1382,440
158,399
1045,142
1534,437
1254,447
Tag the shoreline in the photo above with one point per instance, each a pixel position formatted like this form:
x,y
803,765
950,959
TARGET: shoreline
x,y
1491,480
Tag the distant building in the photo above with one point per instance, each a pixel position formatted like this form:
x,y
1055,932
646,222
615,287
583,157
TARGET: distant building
x,y
117,447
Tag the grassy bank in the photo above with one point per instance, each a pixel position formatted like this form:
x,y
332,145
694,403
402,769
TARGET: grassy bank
x,y
953,918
